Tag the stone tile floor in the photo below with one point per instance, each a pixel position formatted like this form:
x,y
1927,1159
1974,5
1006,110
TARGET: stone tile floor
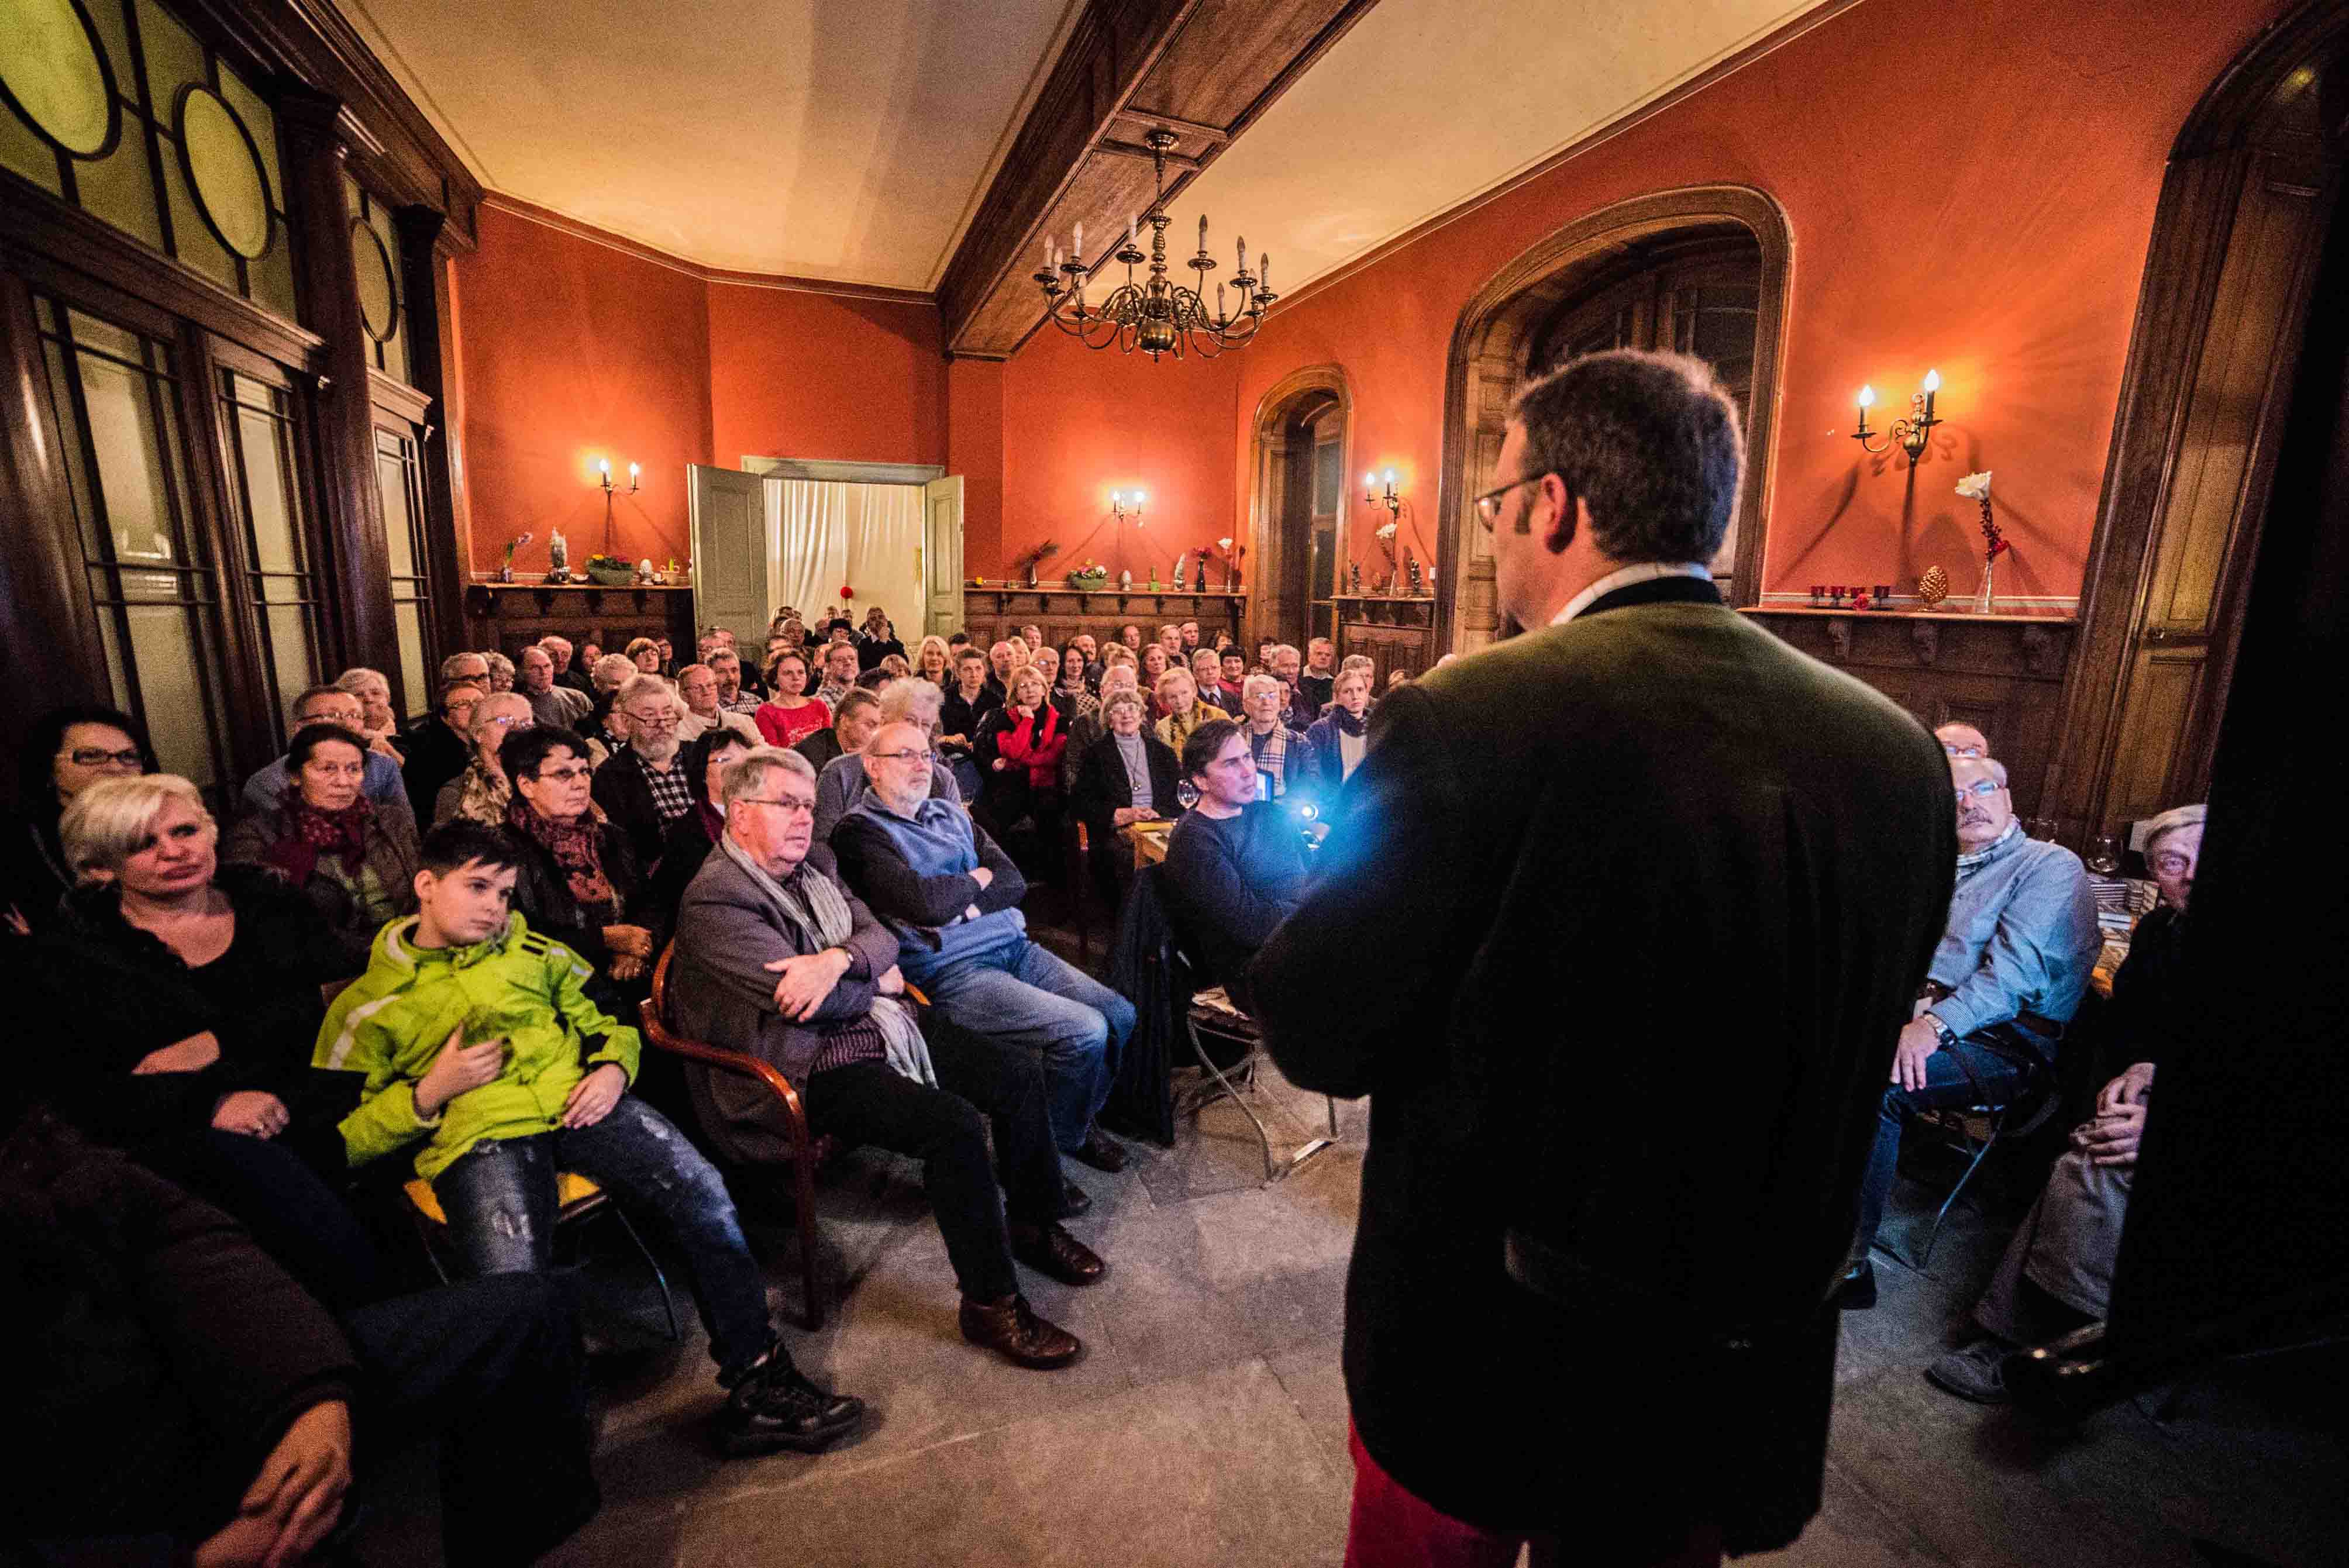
x,y
1207,1423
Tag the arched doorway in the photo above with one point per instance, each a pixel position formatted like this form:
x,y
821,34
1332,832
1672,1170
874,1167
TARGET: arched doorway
x,y
1297,504
1702,270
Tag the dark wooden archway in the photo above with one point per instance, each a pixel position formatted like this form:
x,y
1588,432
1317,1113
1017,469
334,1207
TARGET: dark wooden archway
x,y
1269,614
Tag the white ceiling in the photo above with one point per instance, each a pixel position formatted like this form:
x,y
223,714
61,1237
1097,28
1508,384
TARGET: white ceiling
x,y
844,139
1425,104
850,139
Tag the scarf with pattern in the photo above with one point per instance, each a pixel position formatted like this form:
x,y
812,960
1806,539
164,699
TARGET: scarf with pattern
x,y
575,847
311,832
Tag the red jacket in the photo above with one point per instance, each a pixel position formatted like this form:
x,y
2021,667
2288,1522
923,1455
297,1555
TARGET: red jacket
x,y
1036,742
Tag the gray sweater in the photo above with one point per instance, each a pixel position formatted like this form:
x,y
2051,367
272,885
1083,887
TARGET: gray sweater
x,y
2021,936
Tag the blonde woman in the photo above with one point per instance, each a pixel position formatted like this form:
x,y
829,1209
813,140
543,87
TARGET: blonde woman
x,y
1179,693
1340,738
933,663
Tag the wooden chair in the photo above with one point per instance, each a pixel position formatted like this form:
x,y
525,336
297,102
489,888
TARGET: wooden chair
x,y
807,1153
577,1198
1080,891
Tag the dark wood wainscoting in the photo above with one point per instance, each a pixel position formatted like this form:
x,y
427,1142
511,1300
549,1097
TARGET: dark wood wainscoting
x,y
989,614
2002,673
507,616
1394,633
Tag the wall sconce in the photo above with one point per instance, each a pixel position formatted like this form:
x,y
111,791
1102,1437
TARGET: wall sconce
x,y
1389,498
1127,504
1912,433
603,466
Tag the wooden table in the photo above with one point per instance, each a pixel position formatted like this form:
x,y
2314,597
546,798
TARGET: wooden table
x,y
1149,842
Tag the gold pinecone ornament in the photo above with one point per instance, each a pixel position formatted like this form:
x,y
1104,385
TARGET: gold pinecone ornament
x,y
1933,587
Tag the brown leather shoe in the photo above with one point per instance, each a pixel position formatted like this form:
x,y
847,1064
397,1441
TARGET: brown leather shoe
x,y
1012,1330
1100,1152
1050,1251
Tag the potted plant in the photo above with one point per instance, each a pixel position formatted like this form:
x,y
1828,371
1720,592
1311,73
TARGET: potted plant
x,y
1091,576
611,571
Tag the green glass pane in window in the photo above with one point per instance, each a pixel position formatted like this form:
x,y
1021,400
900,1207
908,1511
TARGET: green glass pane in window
x,y
292,658
114,38
22,152
53,74
105,337
265,452
260,119
224,166
132,454
68,432
191,237
167,643
408,623
174,58
378,287
271,278
120,188
398,515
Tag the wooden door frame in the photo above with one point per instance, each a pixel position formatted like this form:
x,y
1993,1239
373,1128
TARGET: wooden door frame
x,y
1265,485
2216,153
1513,297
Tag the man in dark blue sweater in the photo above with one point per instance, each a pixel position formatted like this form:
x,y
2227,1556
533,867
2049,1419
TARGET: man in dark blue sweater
x,y
1235,864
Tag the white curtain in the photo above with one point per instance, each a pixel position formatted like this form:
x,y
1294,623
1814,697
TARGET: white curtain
x,y
823,535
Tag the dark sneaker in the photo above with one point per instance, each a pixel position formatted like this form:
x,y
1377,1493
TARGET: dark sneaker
x,y
1857,1292
1012,1330
1977,1373
776,1407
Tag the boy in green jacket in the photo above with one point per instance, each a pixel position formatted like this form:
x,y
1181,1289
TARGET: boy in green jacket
x,y
480,1045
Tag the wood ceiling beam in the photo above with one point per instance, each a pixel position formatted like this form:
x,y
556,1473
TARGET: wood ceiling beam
x,y
1207,68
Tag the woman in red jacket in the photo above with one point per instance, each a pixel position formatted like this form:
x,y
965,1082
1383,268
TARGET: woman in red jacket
x,y
789,717
1020,750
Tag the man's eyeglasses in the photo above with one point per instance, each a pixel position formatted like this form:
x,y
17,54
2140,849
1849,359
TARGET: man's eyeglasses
x,y
1954,749
893,755
98,757
793,803
1488,505
664,719
1979,787
2172,865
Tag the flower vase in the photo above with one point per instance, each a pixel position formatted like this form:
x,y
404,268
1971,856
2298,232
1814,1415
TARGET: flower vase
x,y
1986,600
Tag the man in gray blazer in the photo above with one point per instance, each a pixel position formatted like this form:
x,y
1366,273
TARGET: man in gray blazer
x,y
776,958
1627,913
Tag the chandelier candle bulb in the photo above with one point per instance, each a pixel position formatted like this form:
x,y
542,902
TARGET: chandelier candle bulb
x,y
1932,385
1131,228
1076,242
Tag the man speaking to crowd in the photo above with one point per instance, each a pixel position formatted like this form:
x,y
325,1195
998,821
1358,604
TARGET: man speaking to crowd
x,y
1647,896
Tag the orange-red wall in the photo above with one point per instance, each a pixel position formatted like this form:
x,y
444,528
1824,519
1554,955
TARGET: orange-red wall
x,y
975,450
1080,423
800,375
1974,195
571,351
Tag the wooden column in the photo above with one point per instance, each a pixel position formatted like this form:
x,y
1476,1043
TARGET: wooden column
x,y
318,137
423,290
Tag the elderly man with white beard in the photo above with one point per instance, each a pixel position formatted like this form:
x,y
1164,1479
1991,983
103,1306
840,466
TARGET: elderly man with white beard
x,y
642,787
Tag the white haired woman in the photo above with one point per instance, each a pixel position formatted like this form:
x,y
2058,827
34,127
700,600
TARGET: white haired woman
x,y
377,722
480,792
1179,693
178,1001
1127,774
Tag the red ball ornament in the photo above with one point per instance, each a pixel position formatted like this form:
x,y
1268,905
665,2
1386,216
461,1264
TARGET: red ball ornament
x,y
846,592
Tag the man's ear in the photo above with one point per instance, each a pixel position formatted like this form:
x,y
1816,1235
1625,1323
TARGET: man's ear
x,y
423,883
1568,521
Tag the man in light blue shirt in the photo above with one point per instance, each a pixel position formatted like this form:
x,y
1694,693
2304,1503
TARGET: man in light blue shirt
x,y
2013,965
266,790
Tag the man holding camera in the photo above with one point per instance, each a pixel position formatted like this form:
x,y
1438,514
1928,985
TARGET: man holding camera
x,y
1235,864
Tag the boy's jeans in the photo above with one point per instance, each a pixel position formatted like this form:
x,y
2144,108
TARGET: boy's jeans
x,y
499,1196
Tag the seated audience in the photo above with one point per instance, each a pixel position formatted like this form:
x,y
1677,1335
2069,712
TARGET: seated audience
x,y
953,896
179,998
1046,658
1020,750
1963,741
732,695
645,653
1317,682
877,639
2057,1273
842,783
853,719
589,652
1341,737
1178,695
667,658
440,743
570,671
1154,667
770,901
2008,976
965,705
697,688
1131,635
1207,675
840,666
1088,658
533,1079
1190,639
604,728
645,787
578,880
480,794
1232,688
67,750
1170,638
1086,729
934,662
552,707
1002,659
690,838
788,718
378,725
1072,695
1235,864
350,863
1281,753
194,1405
501,672
1126,776
332,704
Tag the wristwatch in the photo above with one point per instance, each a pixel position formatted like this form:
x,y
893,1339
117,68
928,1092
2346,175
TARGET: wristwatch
x,y
1942,1032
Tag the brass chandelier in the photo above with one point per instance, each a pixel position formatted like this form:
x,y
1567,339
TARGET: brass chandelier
x,y
1160,316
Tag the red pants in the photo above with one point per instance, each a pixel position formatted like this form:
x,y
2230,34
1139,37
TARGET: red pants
x,y
1390,1528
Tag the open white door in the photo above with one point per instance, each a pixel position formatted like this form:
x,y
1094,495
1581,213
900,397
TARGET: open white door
x,y
729,552
942,557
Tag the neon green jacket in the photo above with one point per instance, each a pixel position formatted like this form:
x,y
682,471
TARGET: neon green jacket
x,y
391,1022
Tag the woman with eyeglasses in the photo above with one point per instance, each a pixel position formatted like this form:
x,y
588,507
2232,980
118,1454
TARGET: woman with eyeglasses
x,y
579,882
355,867
480,794
689,838
70,749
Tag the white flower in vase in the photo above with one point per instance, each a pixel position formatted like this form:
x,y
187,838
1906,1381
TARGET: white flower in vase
x,y
1975,487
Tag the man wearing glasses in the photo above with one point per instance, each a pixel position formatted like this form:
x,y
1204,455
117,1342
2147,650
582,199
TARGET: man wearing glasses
x,y
1622,922
643,788
2020,944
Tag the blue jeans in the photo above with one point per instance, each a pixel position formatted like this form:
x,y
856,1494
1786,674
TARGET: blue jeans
x,y
1967,1073
500,1199
1020,994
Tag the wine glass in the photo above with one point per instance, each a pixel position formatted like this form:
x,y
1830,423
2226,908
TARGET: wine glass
x,y
2105,855
1187,793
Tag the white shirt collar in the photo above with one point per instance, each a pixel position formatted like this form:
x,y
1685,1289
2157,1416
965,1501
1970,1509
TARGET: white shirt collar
x,y
1638,571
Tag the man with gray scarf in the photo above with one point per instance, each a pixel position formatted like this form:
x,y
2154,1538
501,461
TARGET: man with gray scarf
x,y
775,957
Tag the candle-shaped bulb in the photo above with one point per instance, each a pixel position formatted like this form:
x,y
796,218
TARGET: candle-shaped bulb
x,y
1048,253
1370,479
1138,497
1132,228
1264,274
1243,252
1078,243
1203,232
633,472
605,466
1390,478
1932,381
1868,397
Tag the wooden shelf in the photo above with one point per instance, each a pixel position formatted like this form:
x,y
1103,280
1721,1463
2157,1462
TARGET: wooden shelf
x,y
492,585
1382,598
1112,591
2049,618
